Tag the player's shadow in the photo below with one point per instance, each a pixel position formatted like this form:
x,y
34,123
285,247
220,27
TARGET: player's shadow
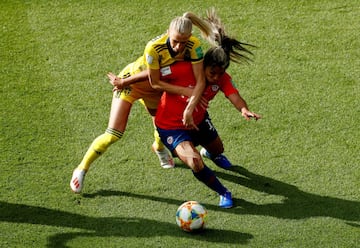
x,y
295,204
106,226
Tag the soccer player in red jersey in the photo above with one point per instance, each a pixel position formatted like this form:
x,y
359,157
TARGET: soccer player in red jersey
x,y
182,140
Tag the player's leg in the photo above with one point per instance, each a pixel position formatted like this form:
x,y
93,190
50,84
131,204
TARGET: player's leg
x,y
212,144
191,157
214,151
119,114
120,109
180,143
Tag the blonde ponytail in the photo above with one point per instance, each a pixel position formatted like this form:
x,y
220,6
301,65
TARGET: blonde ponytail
x,y
216,25
206,29
183,25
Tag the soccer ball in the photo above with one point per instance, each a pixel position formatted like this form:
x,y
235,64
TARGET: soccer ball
x,y
191,216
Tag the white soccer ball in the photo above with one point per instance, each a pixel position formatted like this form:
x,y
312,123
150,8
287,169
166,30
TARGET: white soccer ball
x,y
191,216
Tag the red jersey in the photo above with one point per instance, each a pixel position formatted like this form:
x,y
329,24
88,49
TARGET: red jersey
x,y
170,110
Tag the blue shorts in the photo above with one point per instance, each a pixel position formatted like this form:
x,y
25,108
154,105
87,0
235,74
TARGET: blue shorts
x,y
206,134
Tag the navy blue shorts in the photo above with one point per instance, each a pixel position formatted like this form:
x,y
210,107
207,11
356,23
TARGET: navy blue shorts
x,y
206,134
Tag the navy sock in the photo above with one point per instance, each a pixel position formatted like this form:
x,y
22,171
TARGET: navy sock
x,y
208,177
212,156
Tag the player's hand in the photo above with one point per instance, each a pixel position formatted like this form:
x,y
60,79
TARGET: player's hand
x,y
115,81
248,115
188,120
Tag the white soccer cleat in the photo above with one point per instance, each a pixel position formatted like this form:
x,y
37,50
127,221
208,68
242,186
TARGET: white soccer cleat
x,y
204,153
165,158
77,180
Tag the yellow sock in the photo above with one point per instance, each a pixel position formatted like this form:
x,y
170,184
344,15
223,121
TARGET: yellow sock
x,y
98,147
158,145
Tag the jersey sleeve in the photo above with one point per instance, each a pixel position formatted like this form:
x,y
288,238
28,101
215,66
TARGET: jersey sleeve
x,y
227,85
196,51
151,57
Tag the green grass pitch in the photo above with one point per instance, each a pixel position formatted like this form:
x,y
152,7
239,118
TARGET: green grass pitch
x,y
296,175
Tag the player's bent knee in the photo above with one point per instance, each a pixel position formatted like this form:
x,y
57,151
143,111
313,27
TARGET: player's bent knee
x,y
197,164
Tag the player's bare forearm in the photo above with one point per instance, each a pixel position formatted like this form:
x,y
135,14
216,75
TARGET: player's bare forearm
x,y
157,84
136,78
238,102
120,83
241,105
199,87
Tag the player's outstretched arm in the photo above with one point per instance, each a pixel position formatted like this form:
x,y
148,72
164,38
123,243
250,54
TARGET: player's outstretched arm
x,y
240,104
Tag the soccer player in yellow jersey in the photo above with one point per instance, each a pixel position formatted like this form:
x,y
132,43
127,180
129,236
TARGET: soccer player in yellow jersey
x,y
133,84
179,44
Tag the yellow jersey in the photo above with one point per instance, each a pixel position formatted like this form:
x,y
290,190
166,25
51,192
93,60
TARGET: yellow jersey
x,y
158,52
